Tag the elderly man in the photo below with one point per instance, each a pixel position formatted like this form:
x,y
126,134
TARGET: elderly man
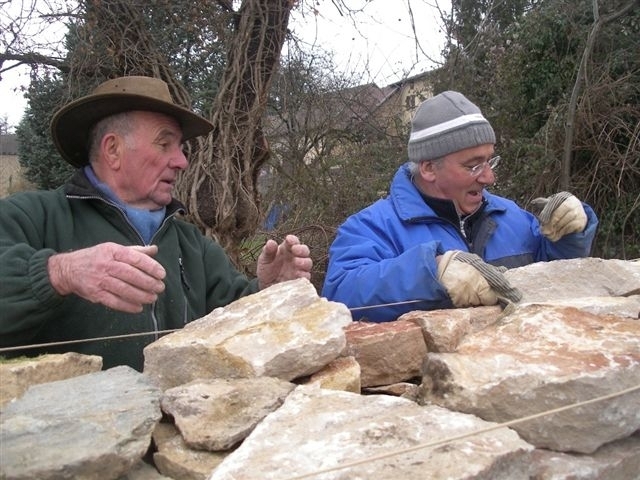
x,y
106,255
440,240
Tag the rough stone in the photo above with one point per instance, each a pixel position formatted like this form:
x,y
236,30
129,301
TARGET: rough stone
x,y
327,429
444,329
507,364
341,374
403,389
619,460
95,426
285,331
143,471
576,278
621,306
388,353
540,358
218,414
18,375
175,459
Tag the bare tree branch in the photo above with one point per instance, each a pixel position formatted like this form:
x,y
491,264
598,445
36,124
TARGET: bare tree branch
x,y
598,22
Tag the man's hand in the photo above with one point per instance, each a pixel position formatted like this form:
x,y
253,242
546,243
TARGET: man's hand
x,y
465,285
287,261
470,281
559,215
119,277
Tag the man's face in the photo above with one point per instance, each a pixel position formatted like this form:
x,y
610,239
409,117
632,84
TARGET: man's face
x,y
151,159
451,178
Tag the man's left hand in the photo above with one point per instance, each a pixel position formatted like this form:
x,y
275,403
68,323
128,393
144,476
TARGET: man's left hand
x,y
287,261
560,214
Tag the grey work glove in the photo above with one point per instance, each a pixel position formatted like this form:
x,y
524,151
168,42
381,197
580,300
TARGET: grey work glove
x,y
559,215
470,281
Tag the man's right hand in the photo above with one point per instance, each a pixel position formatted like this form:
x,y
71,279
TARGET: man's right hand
x,y
465,285
119,277
470,281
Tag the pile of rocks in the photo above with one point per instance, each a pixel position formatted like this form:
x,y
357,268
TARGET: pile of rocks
x,y
283,385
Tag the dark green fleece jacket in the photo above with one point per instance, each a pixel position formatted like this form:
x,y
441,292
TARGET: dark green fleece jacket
x,y
36,225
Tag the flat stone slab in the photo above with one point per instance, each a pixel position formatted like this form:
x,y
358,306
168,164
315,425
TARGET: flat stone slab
x,y
576,278
619,460
388,352
540,358
19,374
95,426
369,437
285,331
219,413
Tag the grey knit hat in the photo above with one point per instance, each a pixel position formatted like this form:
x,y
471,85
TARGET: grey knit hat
x,y
447,123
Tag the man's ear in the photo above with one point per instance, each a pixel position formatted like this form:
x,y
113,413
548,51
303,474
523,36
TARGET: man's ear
x,y
427,170
112,146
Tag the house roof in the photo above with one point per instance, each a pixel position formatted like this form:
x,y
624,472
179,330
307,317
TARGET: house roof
x,y
342,108
414,78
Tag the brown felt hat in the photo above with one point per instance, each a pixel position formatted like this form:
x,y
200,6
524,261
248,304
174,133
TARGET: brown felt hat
x,y
71,124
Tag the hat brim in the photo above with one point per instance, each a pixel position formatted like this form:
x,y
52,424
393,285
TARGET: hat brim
x,y
70,126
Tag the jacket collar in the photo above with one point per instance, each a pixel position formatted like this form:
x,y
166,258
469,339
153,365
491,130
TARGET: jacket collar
x,y
410,204
79,186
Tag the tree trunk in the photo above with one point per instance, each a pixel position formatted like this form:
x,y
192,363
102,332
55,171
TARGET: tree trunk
x,y
220,186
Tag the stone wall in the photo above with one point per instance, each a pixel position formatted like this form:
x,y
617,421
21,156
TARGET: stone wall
x,y
283,385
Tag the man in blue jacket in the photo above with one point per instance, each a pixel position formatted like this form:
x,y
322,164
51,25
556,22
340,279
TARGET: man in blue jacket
x,y
440,240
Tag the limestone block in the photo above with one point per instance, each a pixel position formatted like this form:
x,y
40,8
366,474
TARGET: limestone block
x,y
94,426
175,459
373,436
576,278
539,358
619,460
19,374
285,331
389,352
217,414
444,329
341,374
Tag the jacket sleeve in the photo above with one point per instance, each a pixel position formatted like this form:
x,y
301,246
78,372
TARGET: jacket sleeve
x,y
574,245
27,298
367,271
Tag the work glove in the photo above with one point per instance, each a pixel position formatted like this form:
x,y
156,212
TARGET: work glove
x,y
469,281
559,215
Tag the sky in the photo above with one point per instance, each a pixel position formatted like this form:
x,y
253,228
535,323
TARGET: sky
x,y
378,41
380,38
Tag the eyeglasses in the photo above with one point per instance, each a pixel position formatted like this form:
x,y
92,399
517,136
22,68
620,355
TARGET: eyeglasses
x,y
478,169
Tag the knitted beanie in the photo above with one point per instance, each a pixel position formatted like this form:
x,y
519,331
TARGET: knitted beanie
x,y
447,123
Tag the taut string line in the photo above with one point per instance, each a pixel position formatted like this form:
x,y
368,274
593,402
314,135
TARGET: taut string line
x,y
159,332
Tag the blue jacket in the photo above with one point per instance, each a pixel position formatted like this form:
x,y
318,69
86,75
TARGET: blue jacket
x,y
386,253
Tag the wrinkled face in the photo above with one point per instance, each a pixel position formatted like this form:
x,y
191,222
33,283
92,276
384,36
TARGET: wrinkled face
x,y
150,160
451,178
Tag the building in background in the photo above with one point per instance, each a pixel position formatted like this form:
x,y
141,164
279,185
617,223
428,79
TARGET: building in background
x,y
11,179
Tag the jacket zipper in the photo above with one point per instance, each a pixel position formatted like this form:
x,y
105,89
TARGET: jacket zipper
x,y
464,235
186,285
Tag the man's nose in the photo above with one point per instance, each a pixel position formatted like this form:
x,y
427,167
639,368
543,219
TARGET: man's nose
x,y
487,176
180,160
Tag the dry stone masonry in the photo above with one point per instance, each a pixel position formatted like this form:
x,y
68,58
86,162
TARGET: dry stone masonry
x,y
283,385
285,332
